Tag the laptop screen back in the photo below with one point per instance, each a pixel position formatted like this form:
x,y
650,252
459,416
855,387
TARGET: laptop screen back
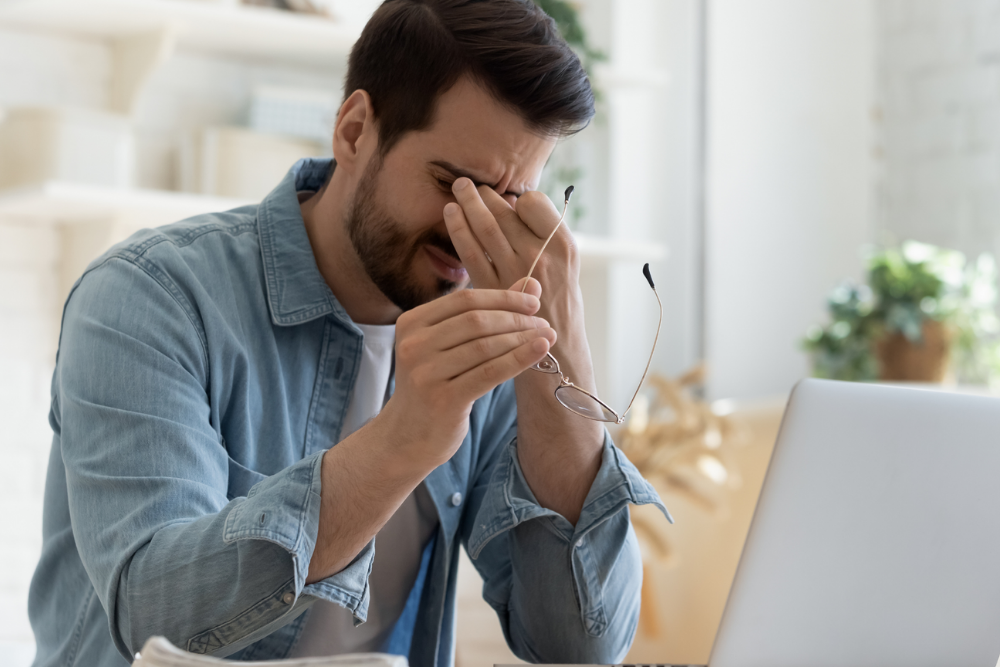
x,y
876,538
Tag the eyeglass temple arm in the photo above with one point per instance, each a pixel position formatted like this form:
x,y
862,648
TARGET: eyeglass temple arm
x,y
569,193
649,278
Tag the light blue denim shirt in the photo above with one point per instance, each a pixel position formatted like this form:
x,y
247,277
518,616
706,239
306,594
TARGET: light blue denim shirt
x,y
203,369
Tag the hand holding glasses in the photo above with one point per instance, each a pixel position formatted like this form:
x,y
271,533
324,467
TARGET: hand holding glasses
x,y
572,397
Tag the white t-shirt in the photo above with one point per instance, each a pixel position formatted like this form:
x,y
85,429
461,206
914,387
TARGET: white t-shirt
x,y
330,630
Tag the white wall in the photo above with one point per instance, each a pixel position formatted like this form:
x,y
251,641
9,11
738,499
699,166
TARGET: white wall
x,y
33,70
789,178
641,153
27,332
676,182
939,85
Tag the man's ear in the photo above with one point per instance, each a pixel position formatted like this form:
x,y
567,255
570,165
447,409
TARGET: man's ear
x,y
355,134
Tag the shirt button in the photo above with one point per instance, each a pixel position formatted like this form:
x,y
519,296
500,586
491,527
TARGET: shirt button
x,y
288,598
579,543
456,499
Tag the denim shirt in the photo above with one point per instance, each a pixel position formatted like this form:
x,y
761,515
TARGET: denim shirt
x,y
203,370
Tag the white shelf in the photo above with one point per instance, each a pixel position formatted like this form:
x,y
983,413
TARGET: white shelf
x,y
71,203
600,250
56,202
254,32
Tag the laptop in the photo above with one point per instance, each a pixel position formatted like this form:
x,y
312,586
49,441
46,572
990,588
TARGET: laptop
x,y
876,538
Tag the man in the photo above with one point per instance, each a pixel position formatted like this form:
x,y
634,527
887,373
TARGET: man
x,y
207,369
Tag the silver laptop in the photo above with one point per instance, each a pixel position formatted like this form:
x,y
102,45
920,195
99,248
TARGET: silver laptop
x,y
876,539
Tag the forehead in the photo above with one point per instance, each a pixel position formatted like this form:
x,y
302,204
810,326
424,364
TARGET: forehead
x,y
474,132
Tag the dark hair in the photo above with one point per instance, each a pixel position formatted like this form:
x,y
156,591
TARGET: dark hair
x,y
412,51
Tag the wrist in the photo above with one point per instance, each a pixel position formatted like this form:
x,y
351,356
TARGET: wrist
x,y
367,458
571,349
416,441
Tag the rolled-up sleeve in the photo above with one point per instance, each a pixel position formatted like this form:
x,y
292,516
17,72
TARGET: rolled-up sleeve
x,y
563,593
168,550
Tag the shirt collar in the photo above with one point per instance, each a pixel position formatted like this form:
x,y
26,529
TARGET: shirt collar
x,y
296,290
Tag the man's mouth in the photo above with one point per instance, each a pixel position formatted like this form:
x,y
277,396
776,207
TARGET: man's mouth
x,y
450,268
448,259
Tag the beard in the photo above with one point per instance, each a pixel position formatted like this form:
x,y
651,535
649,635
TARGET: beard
x,y
386,253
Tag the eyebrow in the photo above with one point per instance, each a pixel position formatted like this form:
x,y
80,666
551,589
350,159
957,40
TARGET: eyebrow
x,y
458,172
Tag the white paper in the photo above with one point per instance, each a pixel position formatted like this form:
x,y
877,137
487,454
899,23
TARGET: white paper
x,y
158,652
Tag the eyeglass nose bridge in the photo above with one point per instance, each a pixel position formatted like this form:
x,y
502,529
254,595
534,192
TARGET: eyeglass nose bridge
x,y
548,364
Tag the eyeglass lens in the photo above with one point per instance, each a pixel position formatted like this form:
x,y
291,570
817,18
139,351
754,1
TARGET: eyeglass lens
x,y
585,405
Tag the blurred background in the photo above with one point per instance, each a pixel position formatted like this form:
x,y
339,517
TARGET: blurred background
x,y
816,186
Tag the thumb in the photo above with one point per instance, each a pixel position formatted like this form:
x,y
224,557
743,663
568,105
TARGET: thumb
x,y
534,287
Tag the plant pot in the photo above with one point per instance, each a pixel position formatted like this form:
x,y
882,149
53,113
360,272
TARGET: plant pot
x,y
903,360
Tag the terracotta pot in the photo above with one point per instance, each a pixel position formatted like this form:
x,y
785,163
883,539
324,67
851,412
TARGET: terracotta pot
x,y
902,360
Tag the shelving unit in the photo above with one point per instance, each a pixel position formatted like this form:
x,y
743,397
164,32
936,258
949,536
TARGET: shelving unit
x,y
219,27
144,34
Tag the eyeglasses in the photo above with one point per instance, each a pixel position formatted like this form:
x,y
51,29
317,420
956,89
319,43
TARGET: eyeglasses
x,y
574,398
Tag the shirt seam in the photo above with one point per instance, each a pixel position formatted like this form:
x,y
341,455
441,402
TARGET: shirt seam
x,y
140,265
299,528
137,257
78,630
188,238
147,267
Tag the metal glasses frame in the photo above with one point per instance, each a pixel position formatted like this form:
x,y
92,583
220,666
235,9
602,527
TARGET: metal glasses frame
x,y
550,365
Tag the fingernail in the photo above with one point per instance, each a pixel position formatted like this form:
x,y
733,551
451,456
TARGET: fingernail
x,y
451,208
540,345
540,323
462,183
550,334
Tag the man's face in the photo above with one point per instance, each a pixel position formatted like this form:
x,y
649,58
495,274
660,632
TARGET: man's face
x,y
396,220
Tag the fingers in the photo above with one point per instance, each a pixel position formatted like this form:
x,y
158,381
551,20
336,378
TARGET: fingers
x,y
534,287
482,222
463,301
474,353
538,213
479,266
475,382
517,233
476,324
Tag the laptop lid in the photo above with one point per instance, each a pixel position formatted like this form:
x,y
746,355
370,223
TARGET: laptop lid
x,y
876,538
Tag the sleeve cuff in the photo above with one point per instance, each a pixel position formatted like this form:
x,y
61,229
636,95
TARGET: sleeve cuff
x,y
509,501
284,509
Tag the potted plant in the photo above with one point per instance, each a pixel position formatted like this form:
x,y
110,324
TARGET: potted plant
x,y
925,314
